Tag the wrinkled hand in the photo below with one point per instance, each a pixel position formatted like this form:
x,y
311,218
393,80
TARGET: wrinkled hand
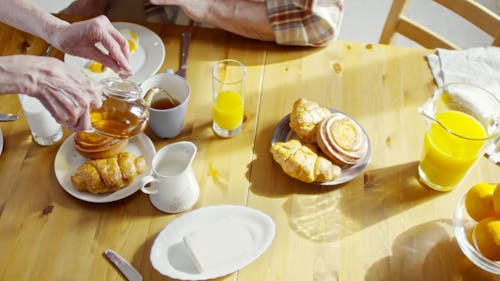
x,y
64,91
79,39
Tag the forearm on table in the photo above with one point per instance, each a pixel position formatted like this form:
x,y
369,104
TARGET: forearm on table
x,y
26,15
246,18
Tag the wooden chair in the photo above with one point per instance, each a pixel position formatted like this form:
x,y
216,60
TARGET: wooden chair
x,y
473,12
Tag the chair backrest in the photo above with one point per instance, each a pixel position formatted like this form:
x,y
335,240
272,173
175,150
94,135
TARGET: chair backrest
x,y
471,11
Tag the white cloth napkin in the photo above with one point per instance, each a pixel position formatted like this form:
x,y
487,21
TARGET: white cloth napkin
x,y
478,66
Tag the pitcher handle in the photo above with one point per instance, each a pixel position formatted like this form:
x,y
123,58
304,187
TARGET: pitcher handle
x,y
145,180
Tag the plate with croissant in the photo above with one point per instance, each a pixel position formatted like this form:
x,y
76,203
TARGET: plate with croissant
x,y
100,169
320,145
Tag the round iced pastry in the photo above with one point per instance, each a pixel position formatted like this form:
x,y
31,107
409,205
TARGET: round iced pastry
x,y
341,139
95,146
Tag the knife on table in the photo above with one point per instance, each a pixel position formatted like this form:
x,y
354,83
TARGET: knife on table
x,y
123,265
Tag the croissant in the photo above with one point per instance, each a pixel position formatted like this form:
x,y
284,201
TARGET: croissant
x,y
304,118
109,174
302,162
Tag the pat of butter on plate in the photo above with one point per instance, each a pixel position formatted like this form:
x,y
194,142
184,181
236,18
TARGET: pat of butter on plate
x,y
211,242
218,244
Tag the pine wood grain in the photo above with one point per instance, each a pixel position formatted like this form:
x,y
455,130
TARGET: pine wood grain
x,y
382,225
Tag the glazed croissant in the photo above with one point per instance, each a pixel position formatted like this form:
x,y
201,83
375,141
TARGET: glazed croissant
x,y
109,174
303,162
304,118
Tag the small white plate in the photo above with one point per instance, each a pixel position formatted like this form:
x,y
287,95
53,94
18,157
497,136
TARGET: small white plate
x,y
283,133
147,59
171,257
68,160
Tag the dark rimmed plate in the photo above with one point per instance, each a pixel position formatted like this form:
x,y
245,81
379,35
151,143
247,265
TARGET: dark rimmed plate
x,y
283,133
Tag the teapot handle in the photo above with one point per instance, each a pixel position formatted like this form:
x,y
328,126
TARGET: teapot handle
x,y
144,181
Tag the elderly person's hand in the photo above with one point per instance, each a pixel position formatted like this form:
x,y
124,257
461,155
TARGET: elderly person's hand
x,y
79,39
64,91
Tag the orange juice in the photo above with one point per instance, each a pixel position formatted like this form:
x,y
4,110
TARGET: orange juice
x,y
228,110
446,158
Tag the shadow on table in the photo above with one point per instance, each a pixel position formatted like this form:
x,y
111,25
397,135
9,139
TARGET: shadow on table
x,y
135,205
427,251
365,201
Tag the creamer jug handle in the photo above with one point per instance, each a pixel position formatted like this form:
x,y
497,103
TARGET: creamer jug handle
x,y
144,181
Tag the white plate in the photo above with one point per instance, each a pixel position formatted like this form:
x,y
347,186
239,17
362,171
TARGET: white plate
x,y
1,142
68,160
171,257
145,61
282,132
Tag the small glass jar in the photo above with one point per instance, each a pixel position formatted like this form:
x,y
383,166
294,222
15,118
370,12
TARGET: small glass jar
x,y
123,113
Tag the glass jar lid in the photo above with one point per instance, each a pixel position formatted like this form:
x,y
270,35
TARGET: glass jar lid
x,y
120,88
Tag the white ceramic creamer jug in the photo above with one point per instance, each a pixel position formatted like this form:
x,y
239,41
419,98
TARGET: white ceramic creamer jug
x,y
173,185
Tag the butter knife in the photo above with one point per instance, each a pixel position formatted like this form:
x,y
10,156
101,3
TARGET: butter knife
x,y
123,265
8,117
186,40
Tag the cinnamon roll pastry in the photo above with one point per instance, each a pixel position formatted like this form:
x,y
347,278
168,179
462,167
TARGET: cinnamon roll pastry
x,y
305,117
341,140
302,162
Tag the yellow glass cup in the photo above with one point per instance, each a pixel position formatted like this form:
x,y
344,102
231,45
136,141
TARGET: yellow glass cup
x,y
228,78
462,120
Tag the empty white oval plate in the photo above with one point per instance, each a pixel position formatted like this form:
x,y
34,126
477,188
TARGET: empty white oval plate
x,y
171,257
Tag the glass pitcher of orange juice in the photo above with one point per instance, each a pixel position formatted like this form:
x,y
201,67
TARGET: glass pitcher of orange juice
x,y
462,120
123,113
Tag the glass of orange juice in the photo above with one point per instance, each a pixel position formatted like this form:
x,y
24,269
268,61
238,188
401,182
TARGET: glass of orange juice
x,y
462,120
228,78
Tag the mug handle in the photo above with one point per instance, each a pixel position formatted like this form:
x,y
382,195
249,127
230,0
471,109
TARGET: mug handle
x,y
145,180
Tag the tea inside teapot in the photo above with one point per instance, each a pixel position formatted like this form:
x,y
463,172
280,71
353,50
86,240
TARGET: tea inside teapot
x,y
123,113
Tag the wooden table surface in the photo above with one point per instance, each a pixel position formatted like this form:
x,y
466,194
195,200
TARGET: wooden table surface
x,y
382,225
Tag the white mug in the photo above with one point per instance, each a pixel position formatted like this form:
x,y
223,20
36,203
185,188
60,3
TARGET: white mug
x,y
168,123
173,185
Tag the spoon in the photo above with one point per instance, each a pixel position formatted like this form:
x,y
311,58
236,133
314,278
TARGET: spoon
x,y
154,91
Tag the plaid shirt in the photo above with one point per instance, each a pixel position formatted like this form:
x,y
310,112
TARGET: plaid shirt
x,y
305,22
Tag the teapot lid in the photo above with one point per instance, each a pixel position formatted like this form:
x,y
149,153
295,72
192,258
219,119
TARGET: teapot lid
x,y
122,88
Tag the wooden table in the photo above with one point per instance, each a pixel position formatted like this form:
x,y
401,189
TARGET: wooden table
x,y
382,225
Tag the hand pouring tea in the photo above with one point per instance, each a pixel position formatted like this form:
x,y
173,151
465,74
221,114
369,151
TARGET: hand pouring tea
x,y
173,186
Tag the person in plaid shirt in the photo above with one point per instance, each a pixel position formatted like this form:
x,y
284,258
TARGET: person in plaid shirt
x,y
287,22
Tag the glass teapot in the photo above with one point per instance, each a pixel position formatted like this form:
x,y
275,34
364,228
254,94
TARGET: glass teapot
x,y
123,113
